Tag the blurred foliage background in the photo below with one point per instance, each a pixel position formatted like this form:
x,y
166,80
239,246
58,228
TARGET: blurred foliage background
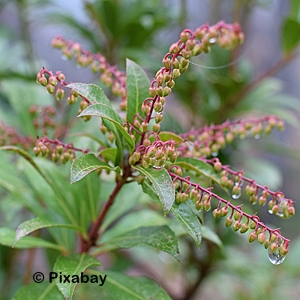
x,y
259,78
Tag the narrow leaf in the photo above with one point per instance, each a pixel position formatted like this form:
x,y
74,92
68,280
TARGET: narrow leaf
x,y
188,221
37,223
167,136
159,237
137,84
162,184
40,291
104,111
182,213
290,35
124,287
210,235
73,265
7,238
27,156
87,163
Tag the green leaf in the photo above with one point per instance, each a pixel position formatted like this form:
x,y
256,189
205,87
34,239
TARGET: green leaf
x,y
182,213
73,265
40,291
188,221
87,163
159,237
167,136
123,287
198,166
37,223
137,84
162,184
109,154
294,9
290,35
210,235
7,238
92,92
27,156
135,220
105,111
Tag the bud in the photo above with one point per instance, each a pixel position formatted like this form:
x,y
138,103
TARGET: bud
x,y
224,211
158,107
262,200
159,118
229,137
199,205
156,128
184,198
273,247
283,249
261,237
275,209
244,228
167,63
43,81
55,157
253,225
60,76
217,213
194,195
166,91
50,88
178,198
36,151
237,215
111,137
59,149
218,166
267,244
184,36
170,83
253,199
237,225
174,48
252,237
52,80
176,73
59,94
228,222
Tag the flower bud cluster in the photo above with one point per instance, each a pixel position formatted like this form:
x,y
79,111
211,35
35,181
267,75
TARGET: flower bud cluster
x,y
155,155
176,62
56,150
53,83
190,44
10,136
235,216
237,183
208,140
110,75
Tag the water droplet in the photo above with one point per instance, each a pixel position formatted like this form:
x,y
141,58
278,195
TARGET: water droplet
x,y
282,207
257,136
190,145
64,57
214,154
158,167
236,196
212,40
276,258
